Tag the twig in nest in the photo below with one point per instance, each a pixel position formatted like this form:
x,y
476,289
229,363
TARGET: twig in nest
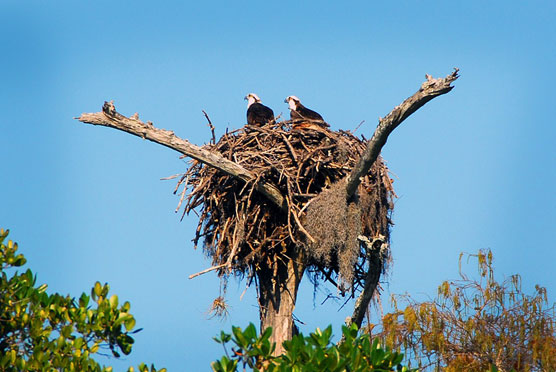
x,y
171,177
182,196
206,271
213,141
305,206
292,151
240,219
301,228
357,127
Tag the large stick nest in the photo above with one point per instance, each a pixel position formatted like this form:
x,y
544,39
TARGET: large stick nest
x,y
241,229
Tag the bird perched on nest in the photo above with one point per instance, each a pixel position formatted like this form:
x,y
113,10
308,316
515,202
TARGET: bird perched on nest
x,y
257,113
302,116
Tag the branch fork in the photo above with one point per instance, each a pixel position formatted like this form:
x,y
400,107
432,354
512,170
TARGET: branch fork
x,y
429,89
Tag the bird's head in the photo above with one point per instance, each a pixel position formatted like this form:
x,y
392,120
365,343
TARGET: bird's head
x,y
292,101
252,98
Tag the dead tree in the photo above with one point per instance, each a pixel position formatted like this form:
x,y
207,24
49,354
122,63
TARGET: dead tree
x,y
275,202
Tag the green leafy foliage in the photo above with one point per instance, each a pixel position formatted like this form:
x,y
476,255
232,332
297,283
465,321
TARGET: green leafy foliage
x,y
313,353
41,332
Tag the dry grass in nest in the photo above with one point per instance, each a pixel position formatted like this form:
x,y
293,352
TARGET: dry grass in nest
x,y
240,229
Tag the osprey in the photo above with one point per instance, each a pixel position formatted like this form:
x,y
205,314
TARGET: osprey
x,y
257,113
300,112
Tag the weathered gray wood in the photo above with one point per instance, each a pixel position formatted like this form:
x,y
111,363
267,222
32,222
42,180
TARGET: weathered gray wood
x,y
429,89
109,117
375,251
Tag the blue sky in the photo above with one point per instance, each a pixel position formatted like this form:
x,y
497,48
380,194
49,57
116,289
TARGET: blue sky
x,y
473,169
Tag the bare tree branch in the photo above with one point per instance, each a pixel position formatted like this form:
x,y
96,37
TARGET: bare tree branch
x,y
429,89
213,140
110,118
375,251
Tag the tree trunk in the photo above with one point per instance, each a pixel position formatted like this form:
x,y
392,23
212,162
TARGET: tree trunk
x,y
278,285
